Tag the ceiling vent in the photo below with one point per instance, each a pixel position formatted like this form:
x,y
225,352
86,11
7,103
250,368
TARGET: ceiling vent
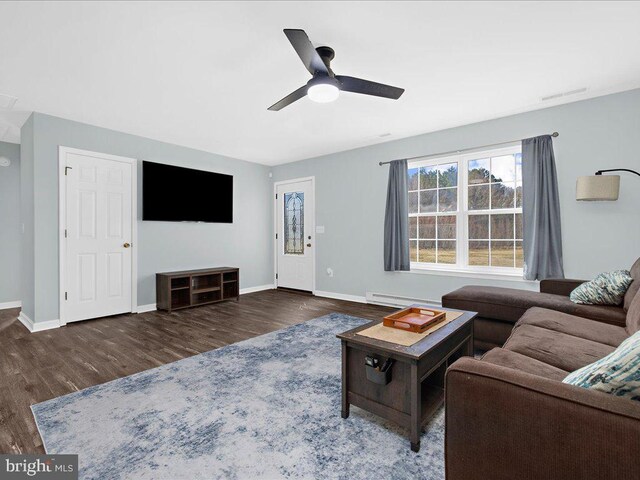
x,y
564,94
7,101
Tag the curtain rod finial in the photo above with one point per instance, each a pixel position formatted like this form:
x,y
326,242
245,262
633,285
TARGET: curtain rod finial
x,y
555,134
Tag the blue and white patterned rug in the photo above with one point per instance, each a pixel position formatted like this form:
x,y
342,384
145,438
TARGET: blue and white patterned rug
x,y
265,408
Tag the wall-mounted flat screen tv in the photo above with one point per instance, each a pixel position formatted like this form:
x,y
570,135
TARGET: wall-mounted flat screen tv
x,y
177,194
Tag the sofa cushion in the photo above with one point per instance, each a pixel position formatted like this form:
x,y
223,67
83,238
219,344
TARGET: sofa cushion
x,y
633,315
555,348
635,285
576,326
607,288
509,304
507,358
602,313
616,374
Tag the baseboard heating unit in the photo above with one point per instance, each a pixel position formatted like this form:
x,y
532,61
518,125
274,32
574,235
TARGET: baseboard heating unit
x,y
396,300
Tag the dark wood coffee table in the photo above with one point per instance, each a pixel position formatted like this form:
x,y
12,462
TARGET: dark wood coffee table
x,y
416,387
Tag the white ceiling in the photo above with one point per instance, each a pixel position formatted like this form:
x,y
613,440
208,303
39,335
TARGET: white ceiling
x,y
203,74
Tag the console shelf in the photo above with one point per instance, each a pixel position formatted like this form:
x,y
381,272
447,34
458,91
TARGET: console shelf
x,y
190,288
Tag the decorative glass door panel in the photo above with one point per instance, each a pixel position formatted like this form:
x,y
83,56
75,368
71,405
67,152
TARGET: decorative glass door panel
x,y
294,223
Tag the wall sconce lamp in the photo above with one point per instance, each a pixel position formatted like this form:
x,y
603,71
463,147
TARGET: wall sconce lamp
x,y
600,187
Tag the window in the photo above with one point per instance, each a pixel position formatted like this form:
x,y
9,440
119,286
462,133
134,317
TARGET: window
x,y
465,212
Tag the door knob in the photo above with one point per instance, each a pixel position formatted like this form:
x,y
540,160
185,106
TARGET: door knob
x,y
126,245
308,244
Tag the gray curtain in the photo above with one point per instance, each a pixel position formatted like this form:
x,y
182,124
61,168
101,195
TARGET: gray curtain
x,y
396,219
541,210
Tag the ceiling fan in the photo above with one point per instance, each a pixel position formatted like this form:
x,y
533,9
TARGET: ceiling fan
x,y
325,86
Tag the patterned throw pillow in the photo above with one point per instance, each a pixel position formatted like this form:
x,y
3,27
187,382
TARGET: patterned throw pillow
x,y
606,289
617,374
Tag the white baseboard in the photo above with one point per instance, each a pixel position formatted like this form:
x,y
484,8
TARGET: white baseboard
x,y
15,304
341,296
151,307
259,288
37,326
26,321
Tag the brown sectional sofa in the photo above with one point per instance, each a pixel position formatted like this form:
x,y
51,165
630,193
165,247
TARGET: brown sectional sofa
x,y
500,308
509,416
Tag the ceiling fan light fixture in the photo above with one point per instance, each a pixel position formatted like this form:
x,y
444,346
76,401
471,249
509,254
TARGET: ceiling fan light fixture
x,y
323,92
325,85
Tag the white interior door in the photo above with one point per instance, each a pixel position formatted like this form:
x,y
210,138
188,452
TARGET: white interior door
x,y
295,241
98,238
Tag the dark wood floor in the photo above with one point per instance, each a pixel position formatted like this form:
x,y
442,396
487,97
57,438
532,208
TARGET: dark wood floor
x,y
38,366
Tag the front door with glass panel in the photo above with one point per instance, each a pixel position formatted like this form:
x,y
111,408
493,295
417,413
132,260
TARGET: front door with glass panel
x,y
294,235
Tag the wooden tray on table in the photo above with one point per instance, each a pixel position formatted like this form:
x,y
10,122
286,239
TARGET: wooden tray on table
x,y
414,319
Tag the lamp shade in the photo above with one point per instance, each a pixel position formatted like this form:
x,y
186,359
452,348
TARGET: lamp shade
x,y
598,187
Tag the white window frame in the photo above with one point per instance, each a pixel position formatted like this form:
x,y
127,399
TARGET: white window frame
x,y
462,213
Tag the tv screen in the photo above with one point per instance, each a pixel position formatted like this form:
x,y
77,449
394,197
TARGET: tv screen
x,y
177,194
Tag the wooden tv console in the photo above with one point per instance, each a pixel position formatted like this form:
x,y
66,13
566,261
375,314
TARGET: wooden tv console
x,y
190,288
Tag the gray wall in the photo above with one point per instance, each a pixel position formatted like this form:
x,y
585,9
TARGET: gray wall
x,y
350,197
27,200
161,246
10,224
598,236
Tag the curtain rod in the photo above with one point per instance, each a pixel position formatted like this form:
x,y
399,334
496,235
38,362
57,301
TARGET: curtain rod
x,y
443,154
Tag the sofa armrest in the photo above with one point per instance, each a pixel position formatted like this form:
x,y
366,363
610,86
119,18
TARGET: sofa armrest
x,y
559,286
505,424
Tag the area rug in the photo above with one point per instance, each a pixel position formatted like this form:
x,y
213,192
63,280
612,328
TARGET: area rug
x,y
265,408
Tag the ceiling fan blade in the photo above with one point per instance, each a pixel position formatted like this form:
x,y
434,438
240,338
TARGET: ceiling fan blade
x,y
366,87
305,51
289,99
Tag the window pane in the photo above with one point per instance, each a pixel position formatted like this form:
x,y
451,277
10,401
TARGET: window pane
x,y
447,227
502,195
413,227
479,253
446,252
479,171
413,178
519,194
519,225
448,175
428,177
519,255
428,201
413,250
479,226
427,251
503,169
448,200
294,223
426,227
502,254
518,166
502,226
413,202
479,197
